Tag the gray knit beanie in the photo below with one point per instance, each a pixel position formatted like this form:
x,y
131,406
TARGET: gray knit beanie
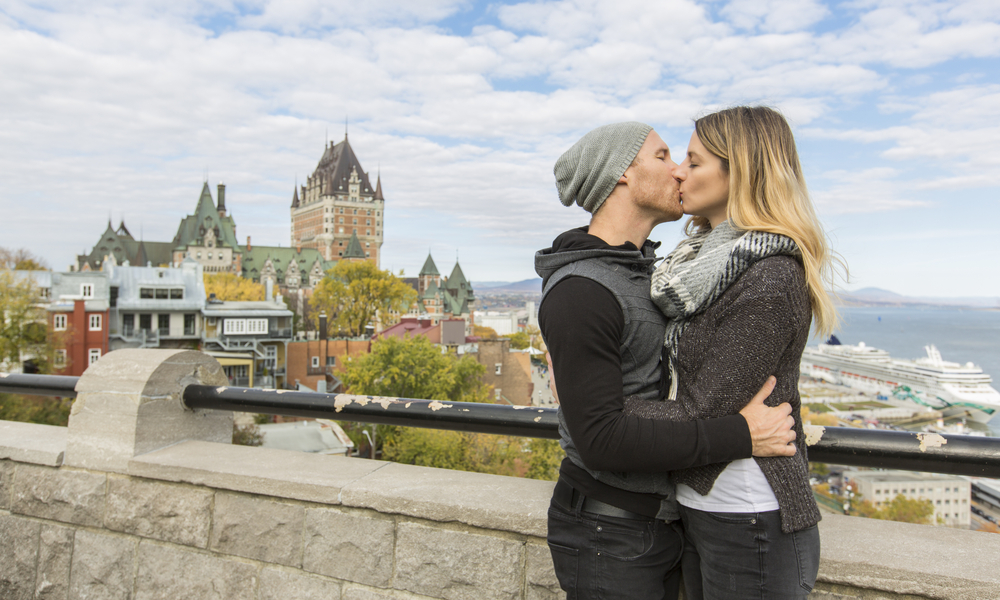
x,y
589,171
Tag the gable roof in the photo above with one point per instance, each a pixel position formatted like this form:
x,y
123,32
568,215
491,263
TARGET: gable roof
x,y
206,216
304,258
125,248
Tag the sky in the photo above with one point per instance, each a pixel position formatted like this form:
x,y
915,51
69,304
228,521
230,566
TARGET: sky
x,y
122,109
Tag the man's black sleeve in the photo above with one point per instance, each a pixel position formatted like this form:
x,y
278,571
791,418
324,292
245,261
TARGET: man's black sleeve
x,y
582,324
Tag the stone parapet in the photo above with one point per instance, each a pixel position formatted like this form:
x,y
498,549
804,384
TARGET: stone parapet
x,y
193,518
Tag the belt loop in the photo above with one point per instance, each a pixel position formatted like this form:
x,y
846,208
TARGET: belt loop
x,y
577,499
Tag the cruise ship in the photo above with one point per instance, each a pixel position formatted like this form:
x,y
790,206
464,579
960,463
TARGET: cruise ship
x,y
931,382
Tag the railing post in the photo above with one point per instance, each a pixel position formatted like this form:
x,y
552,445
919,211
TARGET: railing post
x,y
129,403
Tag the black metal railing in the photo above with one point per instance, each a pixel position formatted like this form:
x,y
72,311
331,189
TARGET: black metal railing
x,y
932,453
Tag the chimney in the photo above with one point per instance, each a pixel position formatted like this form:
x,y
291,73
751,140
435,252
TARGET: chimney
x,y
222,199
269,287
248,243
322,325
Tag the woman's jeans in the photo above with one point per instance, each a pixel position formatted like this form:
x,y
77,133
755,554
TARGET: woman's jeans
x,y
731,556
597,556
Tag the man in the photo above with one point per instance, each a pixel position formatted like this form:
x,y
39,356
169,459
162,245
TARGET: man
x,y
605,337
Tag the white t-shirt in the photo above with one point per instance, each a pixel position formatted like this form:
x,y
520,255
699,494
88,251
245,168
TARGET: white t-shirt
x,y
740,488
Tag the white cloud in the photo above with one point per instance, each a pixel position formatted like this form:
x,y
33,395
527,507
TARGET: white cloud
x,y
774,15
864,191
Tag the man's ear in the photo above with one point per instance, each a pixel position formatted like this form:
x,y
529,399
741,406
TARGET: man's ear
x,y
624,177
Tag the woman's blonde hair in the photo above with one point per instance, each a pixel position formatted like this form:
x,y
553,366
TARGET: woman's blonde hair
x,y
767,192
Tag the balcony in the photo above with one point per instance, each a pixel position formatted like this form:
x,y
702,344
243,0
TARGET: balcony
x,y
162,505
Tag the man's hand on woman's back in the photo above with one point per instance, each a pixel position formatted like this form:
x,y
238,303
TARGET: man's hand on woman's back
x,y
770,428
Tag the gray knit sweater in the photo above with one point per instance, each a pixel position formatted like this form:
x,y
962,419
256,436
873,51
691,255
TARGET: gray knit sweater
x,y
758,327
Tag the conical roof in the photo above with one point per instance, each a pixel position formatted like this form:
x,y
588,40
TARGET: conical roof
x,y
295,197
335,168
378,188
457,280
354,249
429,267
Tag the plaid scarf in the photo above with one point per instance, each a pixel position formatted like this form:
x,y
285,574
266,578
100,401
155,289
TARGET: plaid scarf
x,y
700,269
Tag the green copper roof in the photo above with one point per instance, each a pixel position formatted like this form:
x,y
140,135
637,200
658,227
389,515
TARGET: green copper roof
x,y
354,249
192,228
429,267
255,258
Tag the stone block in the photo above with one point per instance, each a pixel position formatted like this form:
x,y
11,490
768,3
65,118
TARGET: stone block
x,y
475,499
162,511
169,573
6,477
18,557
55,553
349,546
102,566
539,574
902,558
359,593
32,443
282,585
456,565
58,494
129,403
282,473
259,528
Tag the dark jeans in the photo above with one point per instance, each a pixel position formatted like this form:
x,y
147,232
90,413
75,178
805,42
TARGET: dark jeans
x,y
745,555
597,556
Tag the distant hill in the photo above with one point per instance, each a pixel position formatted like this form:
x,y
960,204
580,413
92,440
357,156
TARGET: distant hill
x,y
531,286
878,297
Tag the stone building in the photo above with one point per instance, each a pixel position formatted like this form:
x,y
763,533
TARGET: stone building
x,y
440,297
337,202
508,372
948,493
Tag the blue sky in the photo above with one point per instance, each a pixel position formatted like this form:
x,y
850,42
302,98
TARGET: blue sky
x,y
121,108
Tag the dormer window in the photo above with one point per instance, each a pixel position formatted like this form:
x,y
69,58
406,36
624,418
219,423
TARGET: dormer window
x,y
87,290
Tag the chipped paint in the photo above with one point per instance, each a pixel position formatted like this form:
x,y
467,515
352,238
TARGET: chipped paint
x,y
521,407
385,402
220,389
340,402
537,419
283,391
407,405
930,440
438,406
814,433
465,410
3,374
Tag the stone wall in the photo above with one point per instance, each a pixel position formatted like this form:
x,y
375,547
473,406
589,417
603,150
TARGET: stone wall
x,y
199,518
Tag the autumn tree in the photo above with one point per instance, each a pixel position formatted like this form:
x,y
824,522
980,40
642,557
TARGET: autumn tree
x,y
354,294
21,260
484,333
907,510
229,286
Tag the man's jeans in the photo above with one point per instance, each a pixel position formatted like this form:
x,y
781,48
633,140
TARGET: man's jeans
x,y
597,556
730,556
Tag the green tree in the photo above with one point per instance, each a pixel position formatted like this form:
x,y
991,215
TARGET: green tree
x,y
35,409
544,459
354,294
23,330
519,340
229,286
907,510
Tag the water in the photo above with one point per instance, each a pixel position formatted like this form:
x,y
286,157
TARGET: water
x,y
962,335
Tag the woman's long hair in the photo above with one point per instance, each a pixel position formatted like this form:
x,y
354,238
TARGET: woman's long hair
x,y
768,193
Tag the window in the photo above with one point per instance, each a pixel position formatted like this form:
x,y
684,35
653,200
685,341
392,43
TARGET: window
x,y
244,326
499,366
87,290
368,232
355,222
368,222
496,393
315,362
271,357
177,294
189,324
163,324
145,322
331,361
60,358
128,325
113,300
95,322
95,355
199,254
210,254
59,322
146,293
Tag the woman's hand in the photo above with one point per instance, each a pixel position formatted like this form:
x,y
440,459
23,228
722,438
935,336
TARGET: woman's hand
x,y
770,428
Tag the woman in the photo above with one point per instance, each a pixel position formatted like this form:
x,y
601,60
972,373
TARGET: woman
x,y
740,292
